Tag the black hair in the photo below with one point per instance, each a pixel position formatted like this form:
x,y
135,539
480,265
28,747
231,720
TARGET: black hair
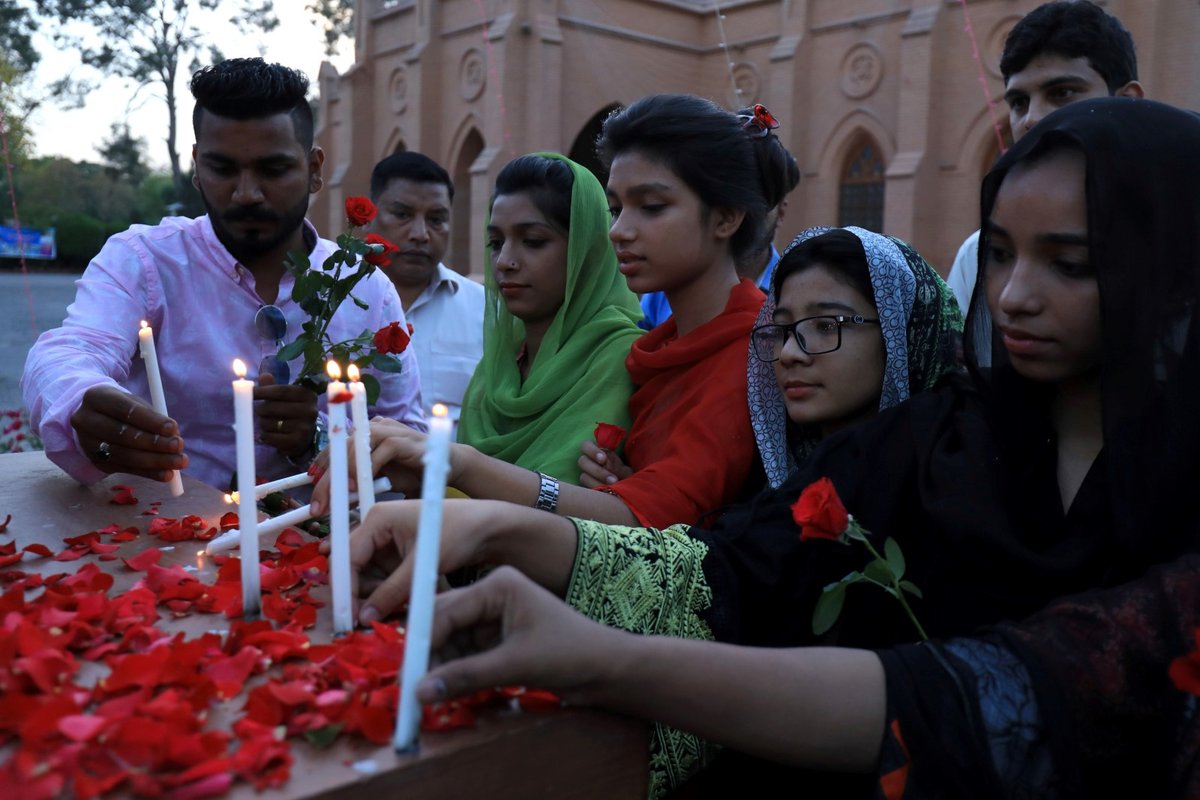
x,y
250,88
839,251
777,168
701,143
1078,29
410,166
547,181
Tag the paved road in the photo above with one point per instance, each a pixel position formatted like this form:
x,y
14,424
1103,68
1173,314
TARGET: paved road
x,y
50,295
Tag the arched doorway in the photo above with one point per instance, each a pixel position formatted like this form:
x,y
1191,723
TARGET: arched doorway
x,y
583,149
460,229
860,194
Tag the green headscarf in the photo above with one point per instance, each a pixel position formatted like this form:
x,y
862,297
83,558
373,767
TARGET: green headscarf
x,y
578,377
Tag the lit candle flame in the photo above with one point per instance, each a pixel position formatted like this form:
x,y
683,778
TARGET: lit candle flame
x,y
352,372
145,324
334,370
239,368
440,410
229,499
233,498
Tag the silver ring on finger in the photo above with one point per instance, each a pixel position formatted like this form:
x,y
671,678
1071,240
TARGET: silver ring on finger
x,y
103,452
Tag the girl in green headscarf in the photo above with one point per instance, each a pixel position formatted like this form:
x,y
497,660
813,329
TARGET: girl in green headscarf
x,y
558,321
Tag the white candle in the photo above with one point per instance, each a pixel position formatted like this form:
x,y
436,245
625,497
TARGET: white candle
x,y
424,581
281,485
243,423
362,442
339,503
229,539
154,378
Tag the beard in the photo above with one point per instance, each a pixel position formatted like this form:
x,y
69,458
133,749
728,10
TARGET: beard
x,y
245,247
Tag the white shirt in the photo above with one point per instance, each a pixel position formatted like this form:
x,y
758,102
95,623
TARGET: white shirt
x,y
961,279
447,339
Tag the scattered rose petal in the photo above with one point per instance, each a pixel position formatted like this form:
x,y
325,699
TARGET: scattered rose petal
x,y
123,495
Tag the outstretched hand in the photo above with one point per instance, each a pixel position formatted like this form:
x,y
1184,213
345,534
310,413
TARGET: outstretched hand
x,y
123,433
396,452
507,630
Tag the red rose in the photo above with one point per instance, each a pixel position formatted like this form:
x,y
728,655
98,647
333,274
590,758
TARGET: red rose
x,y
608,436
819,512
359,210
392,339
384,258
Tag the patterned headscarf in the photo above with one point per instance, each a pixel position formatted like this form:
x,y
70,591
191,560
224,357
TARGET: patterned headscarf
x,y
922,332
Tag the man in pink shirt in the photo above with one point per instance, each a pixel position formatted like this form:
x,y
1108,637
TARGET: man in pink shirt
x,y
213,289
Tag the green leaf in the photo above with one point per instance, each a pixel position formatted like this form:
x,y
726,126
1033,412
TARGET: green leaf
x,y
306,285
360,303
313,305
911,588
293,350
879,572
324,736
385,362
371,383
895,559
829,606
297,263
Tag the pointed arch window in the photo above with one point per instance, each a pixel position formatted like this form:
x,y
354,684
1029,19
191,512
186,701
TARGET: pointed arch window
x,y
860,199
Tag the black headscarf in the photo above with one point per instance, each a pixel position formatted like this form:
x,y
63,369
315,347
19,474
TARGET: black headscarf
x,y
964,478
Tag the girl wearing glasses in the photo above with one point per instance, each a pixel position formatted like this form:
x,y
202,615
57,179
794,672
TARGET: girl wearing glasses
x,y
856,323
1067,464
559,321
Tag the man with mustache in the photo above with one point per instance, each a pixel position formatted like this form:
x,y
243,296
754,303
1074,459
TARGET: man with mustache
x,y
212,289
414,194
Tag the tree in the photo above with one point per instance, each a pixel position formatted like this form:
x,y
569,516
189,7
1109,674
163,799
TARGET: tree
x,y
17,59
122,153
145,41
338,17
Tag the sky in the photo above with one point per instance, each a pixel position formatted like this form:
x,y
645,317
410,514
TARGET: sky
x,y
76,134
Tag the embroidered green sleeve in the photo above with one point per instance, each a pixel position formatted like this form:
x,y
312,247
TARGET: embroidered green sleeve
x,y
647,581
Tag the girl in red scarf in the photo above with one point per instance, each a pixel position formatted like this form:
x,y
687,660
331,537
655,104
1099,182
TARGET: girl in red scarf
x,y
687,202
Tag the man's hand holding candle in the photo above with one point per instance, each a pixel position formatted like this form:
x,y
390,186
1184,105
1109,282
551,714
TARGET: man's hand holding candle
x,y
122,433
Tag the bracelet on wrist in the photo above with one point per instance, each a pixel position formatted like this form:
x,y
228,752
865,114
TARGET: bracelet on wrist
x,y
547,499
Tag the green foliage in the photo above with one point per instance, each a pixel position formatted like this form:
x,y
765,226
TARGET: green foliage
x,y
884,571
79,237
17,25
123,154
337,19
320,292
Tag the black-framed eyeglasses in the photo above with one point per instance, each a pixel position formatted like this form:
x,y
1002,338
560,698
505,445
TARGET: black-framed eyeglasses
x,y
272,326
815,335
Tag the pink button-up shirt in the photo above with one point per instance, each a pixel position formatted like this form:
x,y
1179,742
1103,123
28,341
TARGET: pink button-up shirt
x,y
201,304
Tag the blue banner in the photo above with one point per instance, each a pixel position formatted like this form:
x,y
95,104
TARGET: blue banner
x,y
30,243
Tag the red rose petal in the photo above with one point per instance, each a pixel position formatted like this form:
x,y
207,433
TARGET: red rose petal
x,y
81,727
123,495
38,550
144,560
